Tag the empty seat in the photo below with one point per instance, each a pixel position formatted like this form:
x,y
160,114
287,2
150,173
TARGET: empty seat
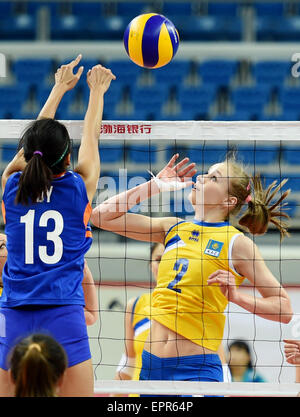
x,y
131,8
218,72
8,151
208,28
125,70
251,99
269,9
111,153
288,98
182,8
149,98
173,74
199,99
107,27
223,9
87,9
142,154
291,154
70,27
278,29
206,154
258,154
32,71
272,73
18,27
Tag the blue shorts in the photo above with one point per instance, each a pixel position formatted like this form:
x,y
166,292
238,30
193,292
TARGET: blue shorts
x,y
183,368
65,323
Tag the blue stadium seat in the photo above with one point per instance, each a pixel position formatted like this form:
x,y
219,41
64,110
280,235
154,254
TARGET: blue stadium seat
x,y
107,27
208,28
8,151
218,72
12,99
131,9
271,73
70,27
288,98
19,27
111,153
291,154
269,9
173,74
149,98
198,99
251,99
293,182
258,155
87,9
32,71
223,9
286,116
125,70
173,149
283,29
237,115
206,154
182,8
142,154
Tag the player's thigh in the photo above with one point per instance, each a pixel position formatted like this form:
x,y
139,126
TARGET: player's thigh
x,y
6,386
78,381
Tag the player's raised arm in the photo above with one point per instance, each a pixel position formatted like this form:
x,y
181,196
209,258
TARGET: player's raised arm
x,y
65,80
113,214
98,79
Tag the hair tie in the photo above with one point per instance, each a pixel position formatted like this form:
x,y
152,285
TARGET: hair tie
x,y
249,198
34,346
38,153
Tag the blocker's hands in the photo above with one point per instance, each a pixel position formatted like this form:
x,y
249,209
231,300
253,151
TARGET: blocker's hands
x,y
175,177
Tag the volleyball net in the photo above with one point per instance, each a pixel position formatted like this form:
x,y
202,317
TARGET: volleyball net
x,y
129,151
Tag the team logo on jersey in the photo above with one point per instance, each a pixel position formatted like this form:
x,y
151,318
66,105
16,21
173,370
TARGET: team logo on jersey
x,y
195,235
213,248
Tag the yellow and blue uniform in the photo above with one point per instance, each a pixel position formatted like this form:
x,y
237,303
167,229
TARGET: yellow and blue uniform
x,y
182,300
42,277
141,326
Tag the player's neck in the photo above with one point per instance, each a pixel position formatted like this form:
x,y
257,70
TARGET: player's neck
x,y
209,216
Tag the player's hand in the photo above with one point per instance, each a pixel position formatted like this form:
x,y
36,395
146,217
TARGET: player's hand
x,y
227,284
292,351
99,77
64,76
175,177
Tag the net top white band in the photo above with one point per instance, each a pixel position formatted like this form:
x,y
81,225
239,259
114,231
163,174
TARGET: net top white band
x,y
179,130
255,389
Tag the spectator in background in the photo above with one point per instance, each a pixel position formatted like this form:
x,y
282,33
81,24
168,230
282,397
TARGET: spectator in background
x,y
37,366
240,363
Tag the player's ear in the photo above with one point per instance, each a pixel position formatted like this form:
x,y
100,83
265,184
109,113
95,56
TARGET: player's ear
x,y
230,202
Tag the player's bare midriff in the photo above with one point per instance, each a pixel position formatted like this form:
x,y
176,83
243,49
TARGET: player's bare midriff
x,y
165,343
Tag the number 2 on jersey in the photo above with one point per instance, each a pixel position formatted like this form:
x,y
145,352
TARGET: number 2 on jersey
x,y
184,263
53,236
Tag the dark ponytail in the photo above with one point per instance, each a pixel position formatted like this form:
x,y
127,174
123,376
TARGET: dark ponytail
x,y
37,363
46,143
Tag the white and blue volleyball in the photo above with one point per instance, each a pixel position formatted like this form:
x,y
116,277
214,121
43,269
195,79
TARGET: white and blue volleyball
x,y
151,40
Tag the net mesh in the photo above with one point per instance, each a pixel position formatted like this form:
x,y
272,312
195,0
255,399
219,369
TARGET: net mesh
x,y
120,266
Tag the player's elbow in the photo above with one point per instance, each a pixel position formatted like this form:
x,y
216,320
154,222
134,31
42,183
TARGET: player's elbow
x,y
287,312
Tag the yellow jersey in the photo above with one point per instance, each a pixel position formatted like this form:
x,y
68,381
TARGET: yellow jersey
x,y
182,299
141,325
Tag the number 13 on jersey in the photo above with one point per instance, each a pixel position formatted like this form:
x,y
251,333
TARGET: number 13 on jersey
x,y
54,236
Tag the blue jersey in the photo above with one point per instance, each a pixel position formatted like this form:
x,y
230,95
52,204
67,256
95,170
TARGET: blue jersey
x,y
46,244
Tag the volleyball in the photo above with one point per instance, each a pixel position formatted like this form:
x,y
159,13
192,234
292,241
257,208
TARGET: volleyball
x,y
151,40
